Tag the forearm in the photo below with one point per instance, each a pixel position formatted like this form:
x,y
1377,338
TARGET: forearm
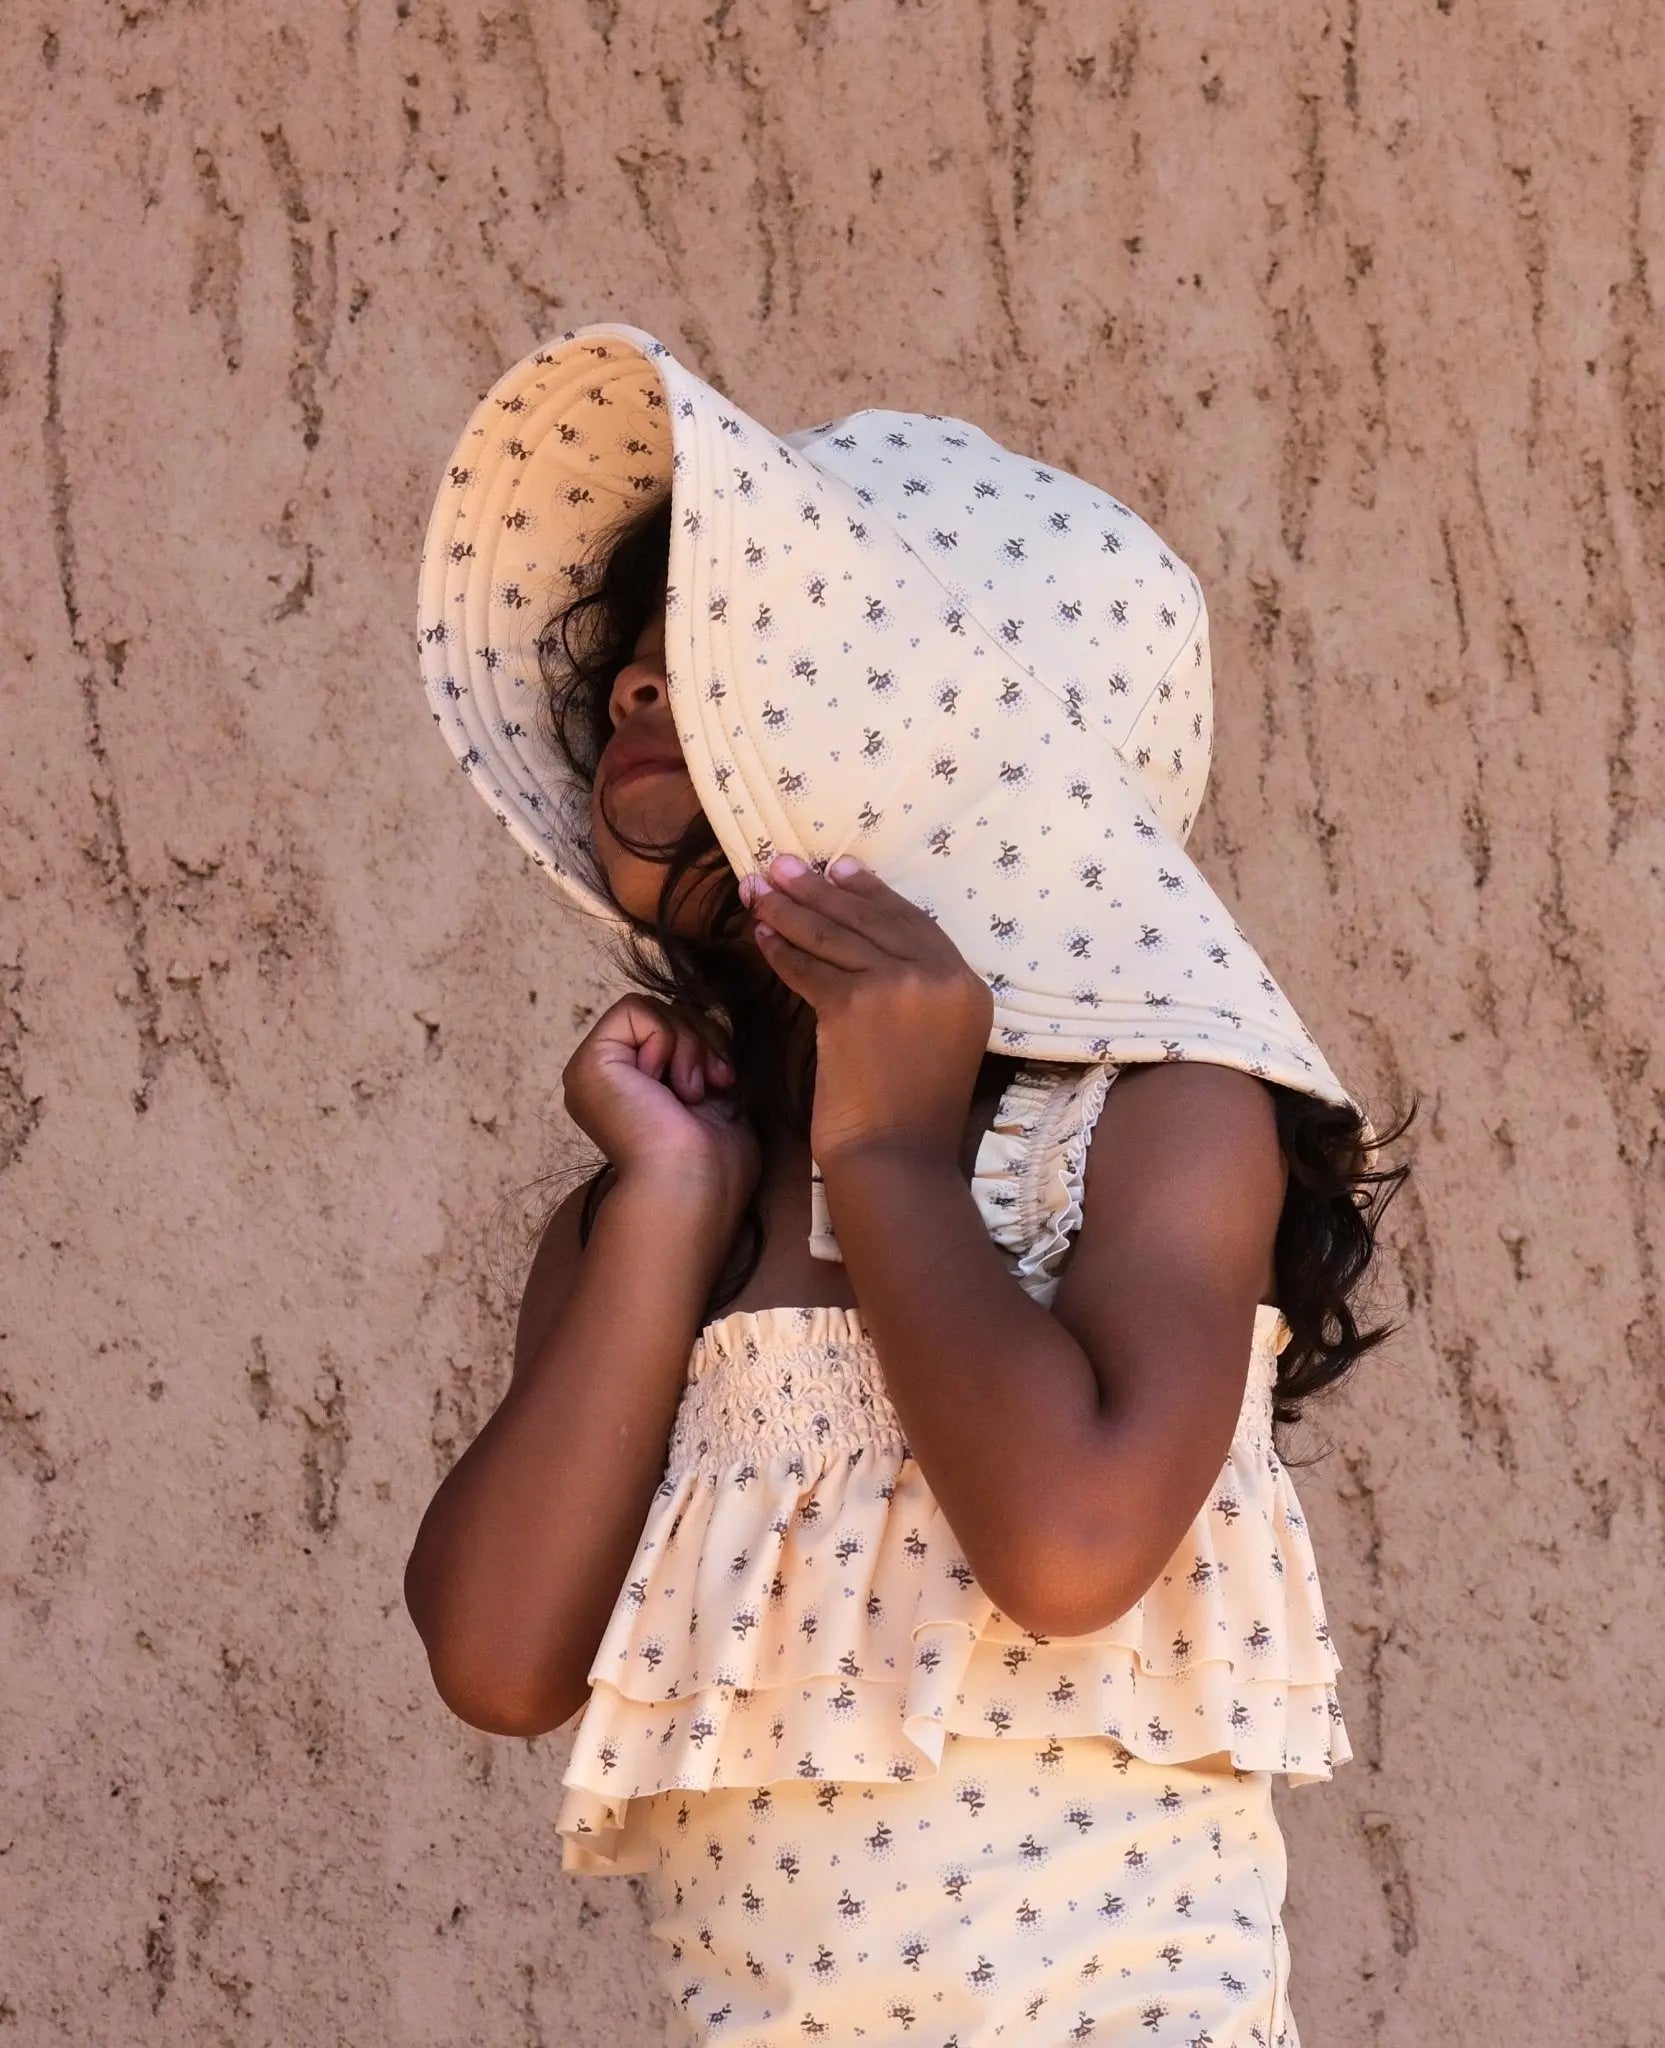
x,y
1000,1406
523,1550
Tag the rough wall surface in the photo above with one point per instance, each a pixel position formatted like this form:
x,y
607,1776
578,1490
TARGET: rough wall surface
x,y
1361,307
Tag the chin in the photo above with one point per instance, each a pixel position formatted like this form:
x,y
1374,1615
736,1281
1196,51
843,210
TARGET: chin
x,y
634,885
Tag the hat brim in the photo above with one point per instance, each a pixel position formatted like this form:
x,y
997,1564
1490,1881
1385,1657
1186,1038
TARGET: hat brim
x,y
523,502
586,430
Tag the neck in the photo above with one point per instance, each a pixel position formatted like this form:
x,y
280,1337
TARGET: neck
x,y
791,1017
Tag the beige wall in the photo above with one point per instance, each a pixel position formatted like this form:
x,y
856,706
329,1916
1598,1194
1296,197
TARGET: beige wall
x,y
1361,306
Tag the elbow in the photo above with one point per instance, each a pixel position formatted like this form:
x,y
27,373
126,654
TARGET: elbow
x,y
502,1713
1052,1609
475,1688
1084,1554
1072,1588
496,1704
1055,1610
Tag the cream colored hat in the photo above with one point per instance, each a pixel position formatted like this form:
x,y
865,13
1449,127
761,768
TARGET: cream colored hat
x,y
887,635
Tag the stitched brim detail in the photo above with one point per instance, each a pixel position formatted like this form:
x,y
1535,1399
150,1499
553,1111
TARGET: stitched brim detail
x,y
886,635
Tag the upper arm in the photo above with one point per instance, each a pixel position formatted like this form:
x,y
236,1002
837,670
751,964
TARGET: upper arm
x,y
550,1278
1183,1188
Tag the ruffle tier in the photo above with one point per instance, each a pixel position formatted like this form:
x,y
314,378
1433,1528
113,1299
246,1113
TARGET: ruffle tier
x,y
797,1606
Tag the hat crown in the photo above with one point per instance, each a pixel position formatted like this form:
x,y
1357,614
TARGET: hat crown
x,y
885,633
1080,593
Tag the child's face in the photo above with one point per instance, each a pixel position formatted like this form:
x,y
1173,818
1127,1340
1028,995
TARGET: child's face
x,y
651,795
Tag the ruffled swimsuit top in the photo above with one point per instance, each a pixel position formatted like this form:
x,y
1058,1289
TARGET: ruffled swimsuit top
x,y
798,1607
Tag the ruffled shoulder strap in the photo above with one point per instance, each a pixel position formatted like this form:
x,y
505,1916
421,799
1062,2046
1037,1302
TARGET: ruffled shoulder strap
x,y
1032,1166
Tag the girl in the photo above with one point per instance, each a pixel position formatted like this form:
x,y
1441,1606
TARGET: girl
x,y
934,1604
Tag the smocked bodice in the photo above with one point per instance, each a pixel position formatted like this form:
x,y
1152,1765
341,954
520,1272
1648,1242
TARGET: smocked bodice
x,y
807,1383
797,1605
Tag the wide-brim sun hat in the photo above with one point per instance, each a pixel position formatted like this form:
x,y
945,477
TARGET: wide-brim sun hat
x,y
886,635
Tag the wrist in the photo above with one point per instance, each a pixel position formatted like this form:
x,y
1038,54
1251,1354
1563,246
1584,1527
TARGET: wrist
x,y
686,1194
890,1151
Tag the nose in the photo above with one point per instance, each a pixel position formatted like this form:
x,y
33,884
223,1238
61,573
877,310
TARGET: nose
x,y
639,685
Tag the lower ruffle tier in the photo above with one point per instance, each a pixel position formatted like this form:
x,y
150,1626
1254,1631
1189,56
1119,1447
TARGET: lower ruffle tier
x,y
870,1732
775,1628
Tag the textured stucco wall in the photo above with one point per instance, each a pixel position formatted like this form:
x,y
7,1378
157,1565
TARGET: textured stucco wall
x,y
1361,306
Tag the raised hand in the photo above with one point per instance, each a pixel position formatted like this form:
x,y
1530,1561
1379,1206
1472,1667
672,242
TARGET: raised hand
x,y
902,1021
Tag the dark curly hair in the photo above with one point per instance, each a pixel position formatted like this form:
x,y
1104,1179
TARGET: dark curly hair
x,y
1326,1238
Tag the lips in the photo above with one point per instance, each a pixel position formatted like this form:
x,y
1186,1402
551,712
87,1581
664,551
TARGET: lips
x,y
632,769
637,755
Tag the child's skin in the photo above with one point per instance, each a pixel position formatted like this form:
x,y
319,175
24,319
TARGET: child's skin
x,y
1069,1448
649,806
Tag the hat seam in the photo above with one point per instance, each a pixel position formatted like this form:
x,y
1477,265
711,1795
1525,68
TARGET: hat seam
x,y
1186,639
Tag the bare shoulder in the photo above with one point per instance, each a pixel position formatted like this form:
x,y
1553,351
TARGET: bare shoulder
x,y
550,1277
1218,1116
1184,1182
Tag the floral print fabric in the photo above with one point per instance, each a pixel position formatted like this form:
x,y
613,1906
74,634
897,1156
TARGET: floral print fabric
x,y
798,1609
886,635
1031,1892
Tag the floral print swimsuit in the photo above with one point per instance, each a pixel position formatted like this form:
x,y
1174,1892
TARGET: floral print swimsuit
x,y
872,1809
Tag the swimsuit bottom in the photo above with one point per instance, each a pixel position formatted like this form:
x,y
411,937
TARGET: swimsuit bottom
x,y
1028,1892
